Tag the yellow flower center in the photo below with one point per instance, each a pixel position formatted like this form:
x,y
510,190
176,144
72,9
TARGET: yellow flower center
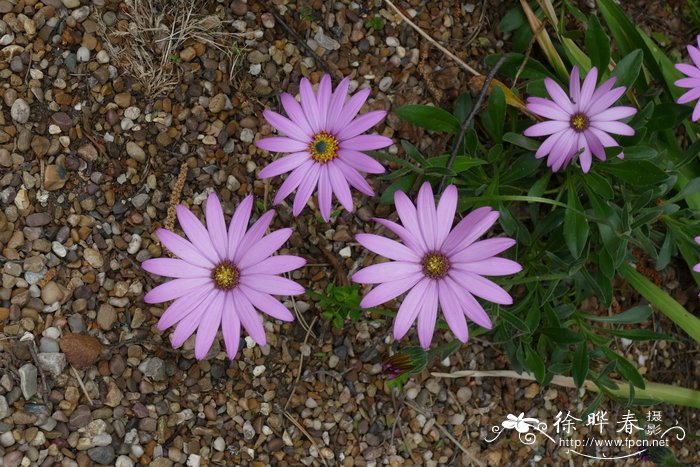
x,y
324,147
225,276
579,122
435,265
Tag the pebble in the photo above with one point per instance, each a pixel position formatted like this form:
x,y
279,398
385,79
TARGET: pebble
x,y
135,151
59,249
20,111
124,461
53,363
248,431
27,380
139,201
71,3
103,454
153,368
51,293
83,54
134,244
106,317
4,408
93,257
38,219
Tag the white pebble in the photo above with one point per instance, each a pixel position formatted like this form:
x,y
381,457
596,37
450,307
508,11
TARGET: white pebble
x,y
345,252
258,370
102,56
83,54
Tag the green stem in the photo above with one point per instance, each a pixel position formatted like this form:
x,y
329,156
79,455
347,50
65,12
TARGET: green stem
x,y
663,301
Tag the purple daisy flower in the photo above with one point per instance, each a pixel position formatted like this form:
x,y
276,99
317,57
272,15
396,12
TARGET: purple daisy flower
x,y
326,143
579,122
222,276
438,264
692,79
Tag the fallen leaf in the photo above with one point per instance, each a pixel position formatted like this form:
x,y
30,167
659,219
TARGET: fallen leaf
x,y
81,350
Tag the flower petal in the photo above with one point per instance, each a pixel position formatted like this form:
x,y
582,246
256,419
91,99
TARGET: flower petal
x,y
409,309
427,215
409,218
176,268
407,237
366,142
452,310
277,264
387,248
216,225
549,144
176,288
604,97
361,124
253,235
325,193
284,164
182,308
337,101
546,128
547,109
239,225
614,113
350,108
689,96
616,128
428,315
323,100
481,250
286,126
182,248
263,249
340,187
186,327
389,290
491,267
481,287
473,226
296,113
470,306
275,285
360,161
206,332
267,304
230,327
378,273
688,70
575,87
558,95
588,87
196,233
354,178
309,105
306,189
293,180
249,318
281,144
446,213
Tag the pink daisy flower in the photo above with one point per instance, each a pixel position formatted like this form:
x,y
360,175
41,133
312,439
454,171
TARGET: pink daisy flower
x,y
222,276
579,122
326,144
692,79
438,264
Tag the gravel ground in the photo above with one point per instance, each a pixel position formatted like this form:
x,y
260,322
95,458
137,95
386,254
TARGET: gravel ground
x,y
98,121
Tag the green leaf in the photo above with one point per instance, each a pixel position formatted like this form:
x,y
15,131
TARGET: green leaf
x,y
575,224
634,171
512,20
599,184
521,141
627,69
494,117
597,44
562,335
640,334
426,116
663,301
625,368
631,316
413,152
404,184
460,164
668,115
463,106
535,364
579,369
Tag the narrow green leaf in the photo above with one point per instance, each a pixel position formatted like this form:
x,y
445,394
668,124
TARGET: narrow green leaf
x,y
634,171
640,334
597,44
403,184
413,152
579,369
575,224
663,301
631,316
521,141
535,364
627,69
426,116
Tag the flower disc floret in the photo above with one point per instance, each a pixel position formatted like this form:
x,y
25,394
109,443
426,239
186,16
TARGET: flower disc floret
x,y
324,147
